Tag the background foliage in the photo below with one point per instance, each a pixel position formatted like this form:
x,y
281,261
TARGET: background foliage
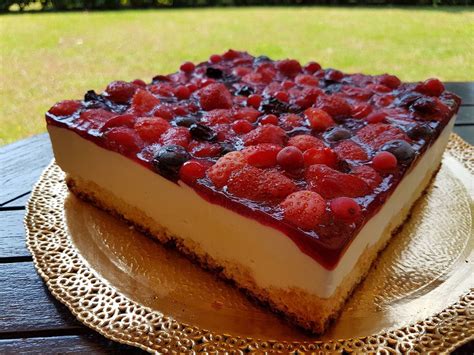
x,y
61,5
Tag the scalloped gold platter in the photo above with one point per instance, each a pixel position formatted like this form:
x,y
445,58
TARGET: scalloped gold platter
x,y
419,296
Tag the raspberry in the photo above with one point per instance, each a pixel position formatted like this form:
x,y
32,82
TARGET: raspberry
x,y
120,91
65,108
176,136
241,71
139,82
369,175
254,101
345,208
269,119
304,142
361,111
215,96
282,96
334,105
220,172
265,134
377,134
290,158
191,171
312,67
204,149
349,150
289,67
182,93
384,161
390,81
431,87
123,140
304,79
305,209
318,119
187,67
242,126
262,155
143,101
331,183
324,156
150,129
215,58
259,185
247,113
127,120
287,84
376,117
162,90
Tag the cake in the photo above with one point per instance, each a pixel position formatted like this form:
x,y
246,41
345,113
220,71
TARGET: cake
x,y
286,179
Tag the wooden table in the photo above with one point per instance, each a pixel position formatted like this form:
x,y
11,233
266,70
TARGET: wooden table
x,y
31,320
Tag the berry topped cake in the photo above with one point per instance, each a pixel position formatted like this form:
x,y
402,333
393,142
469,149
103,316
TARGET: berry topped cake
x,y
286,179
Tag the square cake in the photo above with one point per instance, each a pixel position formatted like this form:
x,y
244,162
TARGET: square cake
x,y
286,179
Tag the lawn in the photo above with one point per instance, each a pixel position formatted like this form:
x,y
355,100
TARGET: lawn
x,y
53,56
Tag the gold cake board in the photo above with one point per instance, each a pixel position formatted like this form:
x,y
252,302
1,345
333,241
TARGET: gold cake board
x,y
419,296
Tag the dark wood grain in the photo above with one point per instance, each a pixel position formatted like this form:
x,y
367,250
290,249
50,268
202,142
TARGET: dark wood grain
x,y
465,115
12,236
86,343
463,90
19,202
21,163
26,305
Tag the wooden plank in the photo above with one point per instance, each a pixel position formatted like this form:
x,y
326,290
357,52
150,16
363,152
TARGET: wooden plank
x,y
12,236
465,115
21,164
27,306
86,343
466,133
462,89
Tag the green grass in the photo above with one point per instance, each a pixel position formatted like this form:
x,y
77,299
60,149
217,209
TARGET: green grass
x,y
53,56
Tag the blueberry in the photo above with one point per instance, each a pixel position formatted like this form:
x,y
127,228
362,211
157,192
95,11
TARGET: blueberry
x,y
245,91
214,73
424,105
261,59
401,149
199,131
159,78
168,160
274,106
185,121
406,99
420,131
227,147
337,134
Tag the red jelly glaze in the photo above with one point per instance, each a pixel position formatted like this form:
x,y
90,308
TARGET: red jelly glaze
x,y
404,108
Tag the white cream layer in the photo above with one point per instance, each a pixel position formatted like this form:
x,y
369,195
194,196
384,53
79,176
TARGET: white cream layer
x,y
273,258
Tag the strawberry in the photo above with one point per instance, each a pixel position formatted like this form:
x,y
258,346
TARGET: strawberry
x,y
150,129
323,155
164,111
331,183
305,141
377,134
242,126
143,102
215,96
431,87
265,134
259,184
65,108
290,121
218,116
120,91
305,209
369,175
220,172
92,119
335,105
349,150
123,140
289,67
305,79
247,113
389,80
307,97
176,136
204,149
262,155
127,120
